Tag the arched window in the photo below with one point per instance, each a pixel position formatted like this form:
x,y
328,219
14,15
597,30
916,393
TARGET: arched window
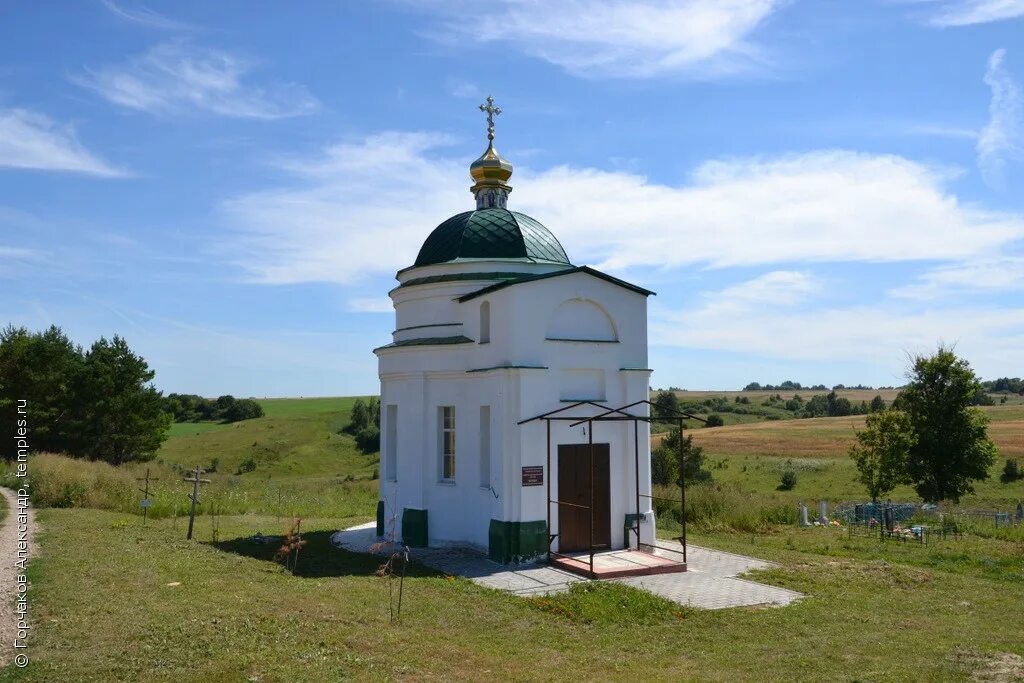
x,y
485,322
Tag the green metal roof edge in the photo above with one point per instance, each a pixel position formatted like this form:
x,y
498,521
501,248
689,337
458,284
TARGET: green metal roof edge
x,y
419,327
510,367
458,277
427,341
585,341
567,271
484,259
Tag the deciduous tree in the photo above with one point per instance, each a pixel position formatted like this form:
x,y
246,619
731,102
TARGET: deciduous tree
x,y
882,451
952,449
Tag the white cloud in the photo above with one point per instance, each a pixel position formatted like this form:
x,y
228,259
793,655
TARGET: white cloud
x,y
364,208
175,78
17,252
986,276
881,333
33,141
823,206
598,38
778,288
463,89
1002,140
968,12
830,205
380,304
140,14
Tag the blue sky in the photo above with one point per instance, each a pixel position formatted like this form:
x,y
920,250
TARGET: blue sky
x,y
814,189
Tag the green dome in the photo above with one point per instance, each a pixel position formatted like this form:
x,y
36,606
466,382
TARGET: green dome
x,y
491,234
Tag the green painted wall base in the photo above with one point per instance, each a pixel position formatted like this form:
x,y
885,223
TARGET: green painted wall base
x,y
380,518
627,529
414,528
517,541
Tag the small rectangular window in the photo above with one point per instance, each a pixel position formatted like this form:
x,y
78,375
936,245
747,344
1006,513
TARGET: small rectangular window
x,y
485,322
446,416
391,443
485,446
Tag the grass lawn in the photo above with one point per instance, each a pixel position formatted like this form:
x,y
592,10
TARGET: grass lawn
x,y
112,600
103,608
305,463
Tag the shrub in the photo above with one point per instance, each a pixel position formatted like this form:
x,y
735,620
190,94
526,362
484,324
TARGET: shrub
x,y
242,409
788,481
1011,472
368,439
247,465
714,420
666,404
665,461
364,424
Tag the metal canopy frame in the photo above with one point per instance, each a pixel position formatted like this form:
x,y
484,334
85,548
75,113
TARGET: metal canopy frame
x,y
619,414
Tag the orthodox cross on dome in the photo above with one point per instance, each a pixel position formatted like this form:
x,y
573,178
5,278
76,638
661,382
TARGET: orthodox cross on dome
x,y
491,111
490,172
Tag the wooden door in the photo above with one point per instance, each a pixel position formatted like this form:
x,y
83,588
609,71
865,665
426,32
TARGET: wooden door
x,y
574,473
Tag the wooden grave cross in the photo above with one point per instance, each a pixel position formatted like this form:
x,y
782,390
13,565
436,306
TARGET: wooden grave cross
x,y
196,481
146,502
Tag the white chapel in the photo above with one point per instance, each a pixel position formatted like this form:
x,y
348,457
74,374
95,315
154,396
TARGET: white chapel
x,y
494,325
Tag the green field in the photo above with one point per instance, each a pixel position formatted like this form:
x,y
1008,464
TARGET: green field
x,y
106,607
754,455
114,600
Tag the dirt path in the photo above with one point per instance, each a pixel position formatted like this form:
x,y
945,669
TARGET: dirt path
x,y
9,573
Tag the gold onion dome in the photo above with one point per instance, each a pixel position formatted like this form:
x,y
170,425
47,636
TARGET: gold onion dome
x,y
490,172
490,168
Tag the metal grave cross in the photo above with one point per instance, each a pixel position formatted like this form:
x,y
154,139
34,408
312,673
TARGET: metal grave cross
x,y
196,481
146,502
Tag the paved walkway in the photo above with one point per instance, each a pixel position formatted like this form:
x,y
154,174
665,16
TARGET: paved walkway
x,y
709,583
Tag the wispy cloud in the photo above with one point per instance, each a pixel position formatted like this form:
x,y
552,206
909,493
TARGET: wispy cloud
x,y
940,131
778,288
599,38
1002,139
29,140
979,276
175,78
968,12
330,227
140,14
821,206
463,89
878,333
381,304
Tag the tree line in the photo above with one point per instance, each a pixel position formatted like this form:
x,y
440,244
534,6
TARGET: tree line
x,y
667,403
97,403
193,408
789,385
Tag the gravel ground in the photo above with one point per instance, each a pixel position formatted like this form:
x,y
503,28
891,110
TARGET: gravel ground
x,y
8,572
